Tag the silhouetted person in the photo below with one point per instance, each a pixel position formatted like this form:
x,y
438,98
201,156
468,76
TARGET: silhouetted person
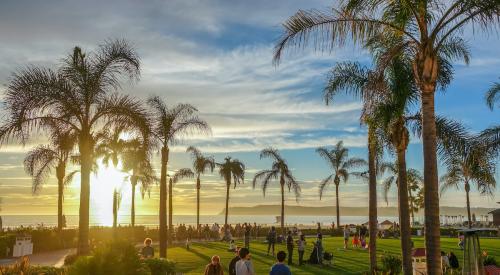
x,y
271,239
289,246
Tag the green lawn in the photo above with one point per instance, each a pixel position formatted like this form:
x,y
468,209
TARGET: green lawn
x,y
351,261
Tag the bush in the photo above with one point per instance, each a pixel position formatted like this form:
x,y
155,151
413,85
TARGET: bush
x,y
490,260
70,259
391,264
6,241
160,266
112,258
23,267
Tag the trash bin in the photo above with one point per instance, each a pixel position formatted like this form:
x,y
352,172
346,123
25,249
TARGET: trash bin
x,y
23,246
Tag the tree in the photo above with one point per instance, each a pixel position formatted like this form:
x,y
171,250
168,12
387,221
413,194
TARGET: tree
x,y
77,96
41,161
467,164
136,161
340,163
231,169
279,170
426,29
201,164
178,175
491,135
493,95
117,198
169,125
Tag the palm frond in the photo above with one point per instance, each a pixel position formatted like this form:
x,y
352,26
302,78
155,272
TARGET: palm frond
x,y
182,173
493,95
39,163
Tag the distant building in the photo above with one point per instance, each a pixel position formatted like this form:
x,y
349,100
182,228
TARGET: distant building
x,y
496,216
386,225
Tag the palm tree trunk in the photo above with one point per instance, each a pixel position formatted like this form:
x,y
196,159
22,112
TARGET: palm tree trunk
x,y
228,185
198,186
83,224
60,197
404,217
338,204
467,190
431,193
410,199
170,211
133,181
163,203
282,183
372,200
115,208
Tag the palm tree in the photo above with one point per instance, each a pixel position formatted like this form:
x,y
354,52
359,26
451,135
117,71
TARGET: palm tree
x,y
231,169
426,29
340,163
201,164
178,175
467,164
41,161
170,124
279,169
136,161
491,135
78,97
117,198
493,95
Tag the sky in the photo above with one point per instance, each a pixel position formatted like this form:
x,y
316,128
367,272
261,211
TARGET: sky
x,y
217,55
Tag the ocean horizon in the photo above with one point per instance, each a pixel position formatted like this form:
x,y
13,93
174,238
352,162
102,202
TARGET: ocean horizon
x,y
152,220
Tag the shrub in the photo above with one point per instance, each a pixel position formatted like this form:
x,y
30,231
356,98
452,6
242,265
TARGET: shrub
x,y
160,266
70,259
490,260
391,264
112,258
23,267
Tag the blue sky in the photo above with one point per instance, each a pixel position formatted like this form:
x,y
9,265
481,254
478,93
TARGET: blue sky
x,y
217,55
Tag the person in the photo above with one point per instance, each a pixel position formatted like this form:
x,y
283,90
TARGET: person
x,y
147,251
271,239
362,232
461,239
453,260
346,236
363,243
244,266
188,243
248,227
214,267
280,268
301,246
289,246
316,256
445,262
232,263
355,241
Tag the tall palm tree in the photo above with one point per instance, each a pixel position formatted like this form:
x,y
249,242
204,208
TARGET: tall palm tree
x,y
426,28
178,175
491,135
136,161
41,161
117,198
78,97
169,125
201,164
340,163
493,95
231,170
279,169
467,164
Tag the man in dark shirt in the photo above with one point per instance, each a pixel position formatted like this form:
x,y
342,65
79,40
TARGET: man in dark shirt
x,y
232,263
248,227
289,246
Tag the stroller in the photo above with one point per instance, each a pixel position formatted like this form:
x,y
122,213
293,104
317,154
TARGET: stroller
x,y
328,258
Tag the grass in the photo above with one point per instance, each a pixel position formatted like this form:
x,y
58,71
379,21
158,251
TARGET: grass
x,y
350,261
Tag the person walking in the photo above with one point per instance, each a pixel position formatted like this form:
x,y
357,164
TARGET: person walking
x,y
280,268
271,239
214,267
301,247
346,236
289,246
244,266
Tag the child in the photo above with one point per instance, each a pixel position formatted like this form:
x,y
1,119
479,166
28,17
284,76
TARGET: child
x,y
363,243
355,241
188,243
232,246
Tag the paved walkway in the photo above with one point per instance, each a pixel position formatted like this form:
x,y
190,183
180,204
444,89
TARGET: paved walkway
x,y
52,258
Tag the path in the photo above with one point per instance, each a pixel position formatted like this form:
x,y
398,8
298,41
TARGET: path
x,y
51,258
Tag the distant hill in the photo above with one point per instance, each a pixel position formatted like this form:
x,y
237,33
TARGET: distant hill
x,y
345,211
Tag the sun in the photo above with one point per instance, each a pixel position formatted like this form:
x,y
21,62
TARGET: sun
x,y
102,185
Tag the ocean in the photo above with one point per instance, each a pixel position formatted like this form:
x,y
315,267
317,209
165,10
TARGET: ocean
x,y
152,220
